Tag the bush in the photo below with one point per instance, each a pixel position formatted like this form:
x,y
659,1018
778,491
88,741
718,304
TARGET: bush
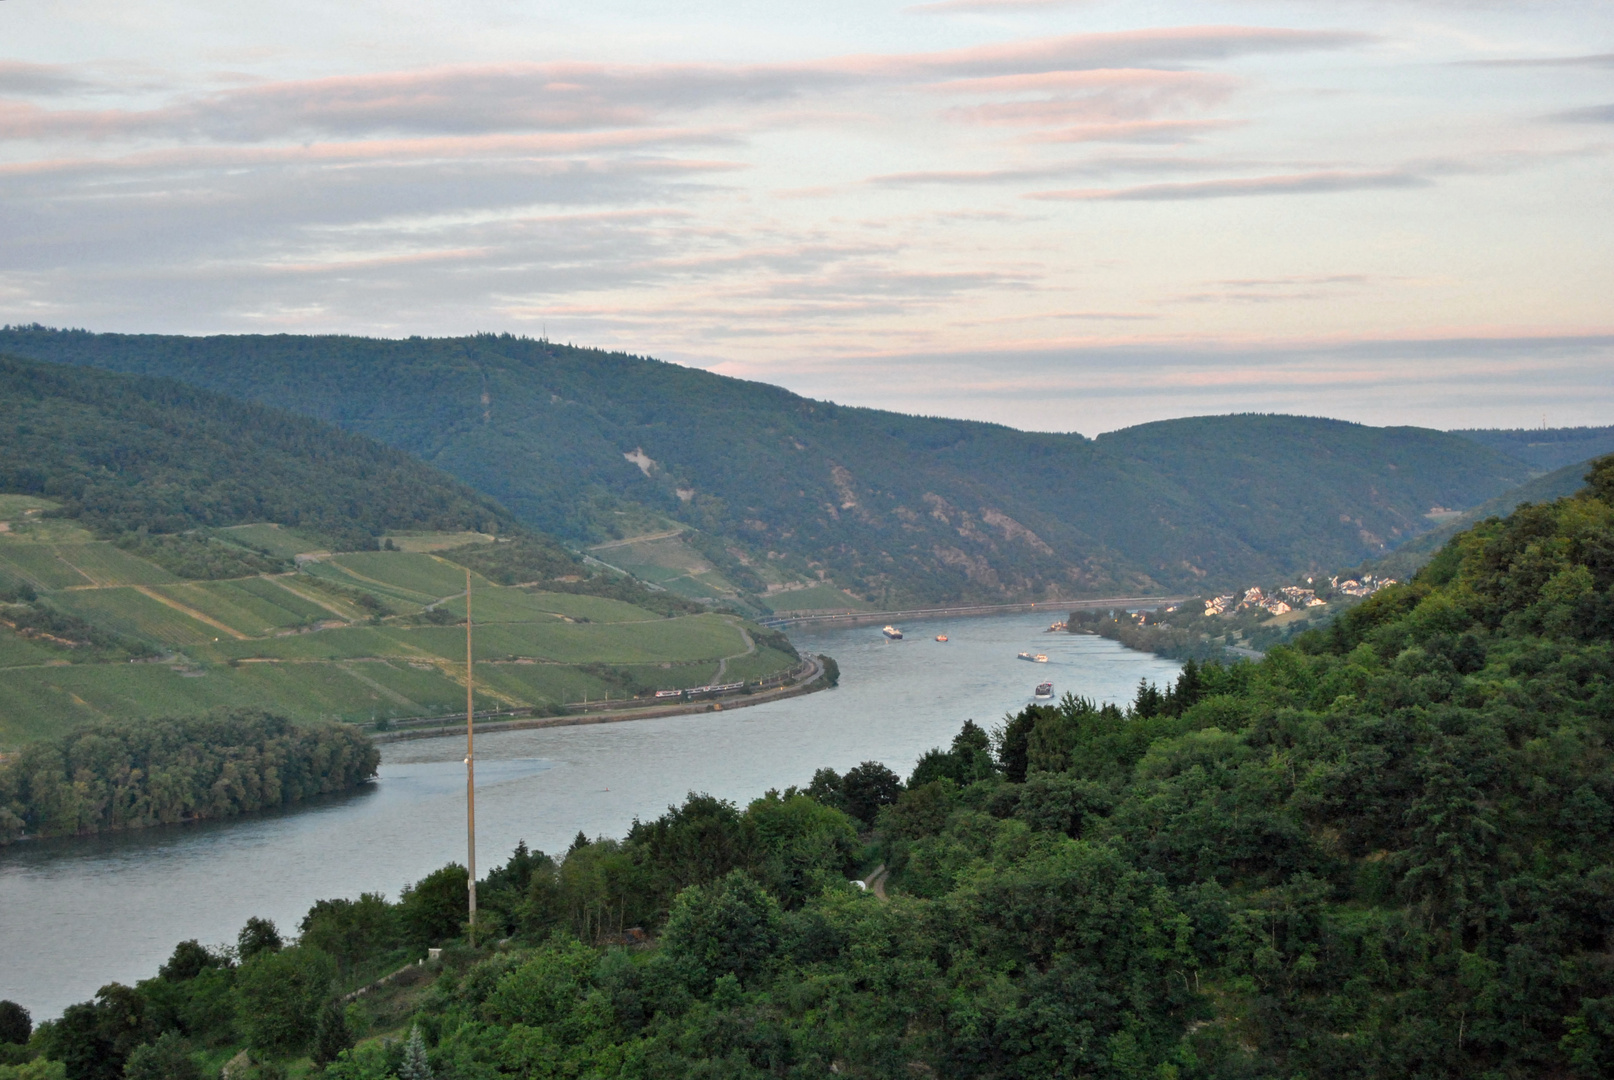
x,y
280,997
166,1059
730,927
15,1024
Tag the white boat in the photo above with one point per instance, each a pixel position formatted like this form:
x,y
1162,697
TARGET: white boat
x,y
892,632
1045,690
1035,658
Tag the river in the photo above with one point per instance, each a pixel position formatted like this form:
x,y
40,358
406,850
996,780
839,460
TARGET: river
x,y
78,913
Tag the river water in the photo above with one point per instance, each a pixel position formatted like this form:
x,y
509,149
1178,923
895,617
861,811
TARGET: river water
x,y
78,913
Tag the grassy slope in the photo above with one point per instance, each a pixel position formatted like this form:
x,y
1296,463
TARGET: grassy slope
x,y
348,635
262,649
898,508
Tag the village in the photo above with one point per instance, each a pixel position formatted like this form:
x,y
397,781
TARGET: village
x,y
1282,600
1288,598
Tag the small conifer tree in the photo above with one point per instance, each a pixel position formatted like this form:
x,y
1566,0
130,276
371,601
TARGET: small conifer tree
x,y
415,1066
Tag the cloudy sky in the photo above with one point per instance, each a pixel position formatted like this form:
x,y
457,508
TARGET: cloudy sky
x,y
1059,215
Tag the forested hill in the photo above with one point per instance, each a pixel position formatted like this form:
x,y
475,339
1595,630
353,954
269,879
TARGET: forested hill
x,y
1560,483
1547,448
127,454
895,508
1383,851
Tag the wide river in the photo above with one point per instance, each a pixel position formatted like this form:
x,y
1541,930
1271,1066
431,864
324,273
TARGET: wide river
x,y
76,914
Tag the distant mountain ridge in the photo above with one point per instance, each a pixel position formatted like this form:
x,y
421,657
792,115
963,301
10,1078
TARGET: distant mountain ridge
x,y
893,508
1546,449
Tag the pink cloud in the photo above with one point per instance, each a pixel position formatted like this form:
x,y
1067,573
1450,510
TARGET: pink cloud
x,y
483,99
1292,184
947,7
1135,131
1127,48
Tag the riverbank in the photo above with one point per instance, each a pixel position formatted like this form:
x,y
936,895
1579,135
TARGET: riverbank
x,y
812,679
956,611
111,907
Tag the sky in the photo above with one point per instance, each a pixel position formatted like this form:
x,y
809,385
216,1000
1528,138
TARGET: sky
x,y
1063,215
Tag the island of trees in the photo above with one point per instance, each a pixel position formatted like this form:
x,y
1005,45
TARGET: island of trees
x,y
1384,850
107,777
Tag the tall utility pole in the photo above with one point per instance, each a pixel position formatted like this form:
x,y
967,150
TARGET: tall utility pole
x,y
470,764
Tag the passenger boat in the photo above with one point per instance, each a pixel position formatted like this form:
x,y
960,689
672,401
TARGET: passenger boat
x,y
941,637
1035,658
1045,690
892,632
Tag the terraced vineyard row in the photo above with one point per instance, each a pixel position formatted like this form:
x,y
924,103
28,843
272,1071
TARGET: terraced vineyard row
x,y
362,636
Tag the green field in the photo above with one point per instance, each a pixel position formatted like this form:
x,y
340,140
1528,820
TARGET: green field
x,y
671,563
344,637
275,539
406,571
132,613
759,665
16,506
18,651
106,565
520,605
40,566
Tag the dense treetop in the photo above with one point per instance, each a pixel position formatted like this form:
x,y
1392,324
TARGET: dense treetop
x,y
896,507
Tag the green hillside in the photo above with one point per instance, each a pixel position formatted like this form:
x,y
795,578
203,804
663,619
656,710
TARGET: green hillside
x,y
125,454
1405,561
166,551
751,488
1381,852
1546,448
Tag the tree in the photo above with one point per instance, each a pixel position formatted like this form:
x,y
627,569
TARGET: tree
x,y
826,788
1012,741
694,844
969,759
93,1039
804,845
415,1066
351,930
728,928
166,1059
331,1034
257,936
280,995
867,788
190,959
15,1024
435,908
